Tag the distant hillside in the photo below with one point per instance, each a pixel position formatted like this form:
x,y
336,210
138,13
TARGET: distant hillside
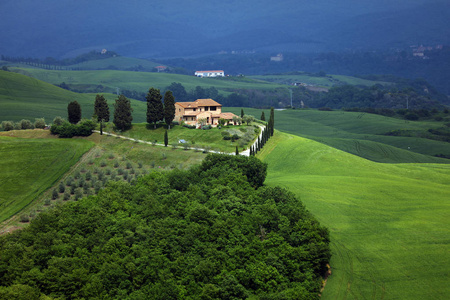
x,y
23,97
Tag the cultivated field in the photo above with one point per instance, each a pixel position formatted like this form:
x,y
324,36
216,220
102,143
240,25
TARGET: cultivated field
x,y
31,166
389,222
35,163
361,134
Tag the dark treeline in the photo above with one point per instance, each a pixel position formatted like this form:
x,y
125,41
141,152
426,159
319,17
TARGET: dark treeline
x,y
211,232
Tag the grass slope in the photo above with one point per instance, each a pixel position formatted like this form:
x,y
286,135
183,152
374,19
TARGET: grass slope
x,y
142,81
31,166
389,222
22,97
360,134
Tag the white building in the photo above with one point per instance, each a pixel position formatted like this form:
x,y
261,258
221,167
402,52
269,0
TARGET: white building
x,y
214,73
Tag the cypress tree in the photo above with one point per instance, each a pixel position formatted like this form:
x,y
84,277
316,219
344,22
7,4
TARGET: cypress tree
x,y
271,121
242,112
74,112
155,109
101,109
166,139
169,108
122,113
237,150
263,117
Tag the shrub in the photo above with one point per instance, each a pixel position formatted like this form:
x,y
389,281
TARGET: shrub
x,y
69,181
7,125
88,176
47,202
129,165
226,135
66,196
39,123
78,194
62,187
103,164
24,219
55,194
58,121
26,124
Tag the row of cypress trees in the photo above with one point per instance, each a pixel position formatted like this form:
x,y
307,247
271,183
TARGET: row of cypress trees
x,y
156,110
266,134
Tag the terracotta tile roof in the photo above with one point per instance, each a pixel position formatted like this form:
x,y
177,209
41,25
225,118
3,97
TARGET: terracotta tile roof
x,y
187,104
207,102
198,103
227,116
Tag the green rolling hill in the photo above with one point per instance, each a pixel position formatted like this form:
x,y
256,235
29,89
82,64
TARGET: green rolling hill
x,y
23,97
142,81
361,134
389,223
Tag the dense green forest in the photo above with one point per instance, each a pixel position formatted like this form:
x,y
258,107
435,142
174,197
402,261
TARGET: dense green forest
x,y
211,232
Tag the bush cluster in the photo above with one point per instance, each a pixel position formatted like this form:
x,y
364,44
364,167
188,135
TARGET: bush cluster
x,y
68,130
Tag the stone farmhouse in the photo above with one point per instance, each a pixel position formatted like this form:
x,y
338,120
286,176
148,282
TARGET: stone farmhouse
x,y
201,111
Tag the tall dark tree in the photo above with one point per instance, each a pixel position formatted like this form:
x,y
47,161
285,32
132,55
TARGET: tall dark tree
x,y
237,150
271,124
101,110
263,117
166,139
122,113
155,109
74,112
169,108
242,112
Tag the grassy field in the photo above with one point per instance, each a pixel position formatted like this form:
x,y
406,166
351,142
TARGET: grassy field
x,y
211,139
35,163
31,166
361,134
22,97
142,81
389,222
328,81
